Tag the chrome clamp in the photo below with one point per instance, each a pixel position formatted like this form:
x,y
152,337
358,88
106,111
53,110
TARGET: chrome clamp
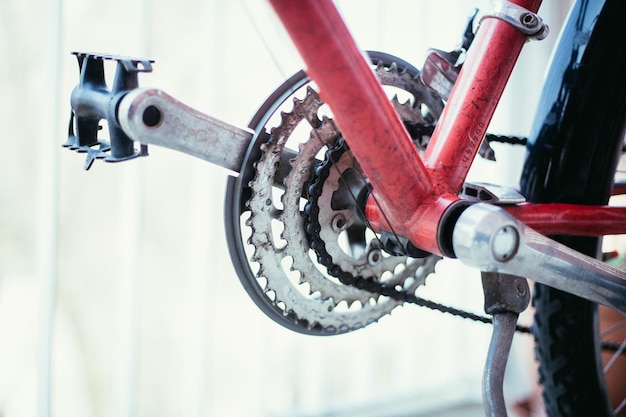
x,y
525,21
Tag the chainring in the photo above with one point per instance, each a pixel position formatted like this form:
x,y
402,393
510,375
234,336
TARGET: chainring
x,y
283,275
341,238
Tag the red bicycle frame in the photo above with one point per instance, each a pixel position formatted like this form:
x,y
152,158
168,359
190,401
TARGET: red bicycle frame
x,y
411,195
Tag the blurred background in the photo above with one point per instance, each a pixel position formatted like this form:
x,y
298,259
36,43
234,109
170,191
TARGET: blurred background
x,y
117,296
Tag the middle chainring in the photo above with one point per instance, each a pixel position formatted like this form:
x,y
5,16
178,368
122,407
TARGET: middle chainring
x,y
266,204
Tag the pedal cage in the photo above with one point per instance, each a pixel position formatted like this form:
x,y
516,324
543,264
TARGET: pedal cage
x,y
92,101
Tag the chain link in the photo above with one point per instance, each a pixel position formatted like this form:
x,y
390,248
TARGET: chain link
x,y
511,140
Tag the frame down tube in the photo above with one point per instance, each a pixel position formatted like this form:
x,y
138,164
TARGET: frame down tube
x,y
360,107
410,196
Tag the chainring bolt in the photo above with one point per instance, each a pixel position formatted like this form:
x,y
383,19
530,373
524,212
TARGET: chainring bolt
x,y
374,257
529,20
340,223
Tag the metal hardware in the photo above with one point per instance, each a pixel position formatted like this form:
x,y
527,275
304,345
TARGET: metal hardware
x,y
506,296
440,71
490,193
505,293
527,22
490,239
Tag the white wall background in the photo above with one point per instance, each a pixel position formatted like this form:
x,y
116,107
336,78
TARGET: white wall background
x,y
116,293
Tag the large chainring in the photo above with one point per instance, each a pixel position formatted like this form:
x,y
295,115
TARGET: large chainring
x,y
283,274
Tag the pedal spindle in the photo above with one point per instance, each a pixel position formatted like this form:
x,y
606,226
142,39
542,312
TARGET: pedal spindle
x,y
93,101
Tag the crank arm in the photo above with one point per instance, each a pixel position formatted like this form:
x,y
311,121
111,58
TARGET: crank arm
x,y
152,117
490,239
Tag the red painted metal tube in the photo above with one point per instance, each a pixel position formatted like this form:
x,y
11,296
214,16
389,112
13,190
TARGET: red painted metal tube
x,y
360,107
463,124
412,195
571,219
548,219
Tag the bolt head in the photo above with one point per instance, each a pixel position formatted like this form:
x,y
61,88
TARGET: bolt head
x,y
529,20
504,243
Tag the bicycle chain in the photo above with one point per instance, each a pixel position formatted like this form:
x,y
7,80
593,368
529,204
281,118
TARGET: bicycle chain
x,y
313,228
489,137
511,140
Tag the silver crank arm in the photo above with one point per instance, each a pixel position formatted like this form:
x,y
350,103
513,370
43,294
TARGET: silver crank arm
x,y
490,239
150,116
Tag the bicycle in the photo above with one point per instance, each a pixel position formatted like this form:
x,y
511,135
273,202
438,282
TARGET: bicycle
x,y
340,235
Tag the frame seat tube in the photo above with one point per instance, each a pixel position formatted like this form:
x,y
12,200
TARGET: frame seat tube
x,y
473,100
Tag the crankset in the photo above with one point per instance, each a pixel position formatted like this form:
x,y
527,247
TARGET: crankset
x,y
281,267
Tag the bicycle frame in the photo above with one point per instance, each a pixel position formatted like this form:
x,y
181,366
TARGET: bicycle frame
x,y
416,197
411,197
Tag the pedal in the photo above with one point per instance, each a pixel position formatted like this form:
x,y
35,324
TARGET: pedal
x,y
93,101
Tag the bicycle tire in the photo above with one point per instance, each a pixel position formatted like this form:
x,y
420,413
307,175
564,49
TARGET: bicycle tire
x,y
572,159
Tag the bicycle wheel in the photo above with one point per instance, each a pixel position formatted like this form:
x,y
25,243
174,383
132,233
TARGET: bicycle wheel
x,y
573,159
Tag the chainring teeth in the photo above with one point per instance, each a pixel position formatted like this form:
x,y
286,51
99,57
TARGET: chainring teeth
x,y
402,273
262,238
289,277
411,83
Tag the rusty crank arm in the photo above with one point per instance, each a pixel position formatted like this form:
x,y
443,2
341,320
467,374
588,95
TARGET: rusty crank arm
x,y
152,117
490,239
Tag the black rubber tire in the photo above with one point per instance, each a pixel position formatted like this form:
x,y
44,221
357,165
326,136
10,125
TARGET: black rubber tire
x,y
573,160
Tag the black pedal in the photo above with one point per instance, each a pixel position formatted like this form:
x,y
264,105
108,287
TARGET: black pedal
x,y
93,101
